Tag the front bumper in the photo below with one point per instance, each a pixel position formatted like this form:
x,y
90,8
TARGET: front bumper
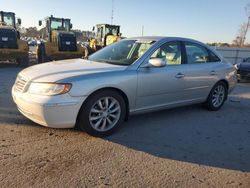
x,y
243,77
243,74
51,111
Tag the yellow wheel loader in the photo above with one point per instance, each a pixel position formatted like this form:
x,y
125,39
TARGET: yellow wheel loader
x,y
60,41
11,46
105,35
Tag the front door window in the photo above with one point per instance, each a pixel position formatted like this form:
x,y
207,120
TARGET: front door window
x,y
170,51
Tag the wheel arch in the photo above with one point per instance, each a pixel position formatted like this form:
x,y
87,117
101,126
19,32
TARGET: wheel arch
x,y
226,83
223,81
122,93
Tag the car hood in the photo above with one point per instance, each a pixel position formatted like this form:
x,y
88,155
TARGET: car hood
x,y
58,70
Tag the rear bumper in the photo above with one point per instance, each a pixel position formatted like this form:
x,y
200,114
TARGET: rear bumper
x,y
232,81
54,112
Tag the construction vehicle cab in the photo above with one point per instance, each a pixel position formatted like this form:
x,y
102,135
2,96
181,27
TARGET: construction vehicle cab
x,y
61,42
11,46
105,35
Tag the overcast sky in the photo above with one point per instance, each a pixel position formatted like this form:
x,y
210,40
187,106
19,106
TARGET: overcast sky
x,y
205,20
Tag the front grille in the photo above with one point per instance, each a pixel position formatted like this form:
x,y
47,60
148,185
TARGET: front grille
x,y
67,42
8,39
20,84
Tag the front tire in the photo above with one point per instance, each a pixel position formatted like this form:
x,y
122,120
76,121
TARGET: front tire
x,y
102,113
23,61
217,97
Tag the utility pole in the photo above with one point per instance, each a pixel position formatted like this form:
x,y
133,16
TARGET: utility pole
x,y
112,13
142,30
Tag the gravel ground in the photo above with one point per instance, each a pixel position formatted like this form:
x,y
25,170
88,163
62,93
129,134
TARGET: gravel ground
x,y
183,147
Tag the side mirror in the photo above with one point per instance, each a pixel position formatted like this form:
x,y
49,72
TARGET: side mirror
x,y
155,62
71,26
40,23
93,29
19,21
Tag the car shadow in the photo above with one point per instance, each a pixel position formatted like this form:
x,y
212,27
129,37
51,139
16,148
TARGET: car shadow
x,y
191,134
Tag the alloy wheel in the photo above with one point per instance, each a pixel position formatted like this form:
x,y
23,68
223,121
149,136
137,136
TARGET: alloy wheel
x,y
218,96
104,114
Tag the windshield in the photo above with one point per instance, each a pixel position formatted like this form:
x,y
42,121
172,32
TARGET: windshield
x,y
125,52
57,24
9,19
112,30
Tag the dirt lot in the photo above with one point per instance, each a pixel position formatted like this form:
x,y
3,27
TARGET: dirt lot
x,y
183,147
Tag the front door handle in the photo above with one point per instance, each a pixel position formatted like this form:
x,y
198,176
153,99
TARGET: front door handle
x,y
212,72
179,75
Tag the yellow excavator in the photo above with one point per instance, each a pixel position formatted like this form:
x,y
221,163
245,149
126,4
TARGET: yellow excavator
x,y
11,46
105,35
60,41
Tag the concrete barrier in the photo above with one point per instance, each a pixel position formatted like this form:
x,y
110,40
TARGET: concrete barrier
x,y
233,55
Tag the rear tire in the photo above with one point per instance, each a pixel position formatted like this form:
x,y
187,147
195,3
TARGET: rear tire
x,y
217,97
41,53
102,113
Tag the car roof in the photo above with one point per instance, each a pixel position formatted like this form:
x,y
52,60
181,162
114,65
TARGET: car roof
x,y
162,38
158,38
152,38
166,39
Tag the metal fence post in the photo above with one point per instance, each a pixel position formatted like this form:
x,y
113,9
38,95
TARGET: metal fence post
x,y
237,56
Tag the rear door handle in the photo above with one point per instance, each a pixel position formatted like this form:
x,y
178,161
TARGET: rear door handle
x,y
212,72
179,75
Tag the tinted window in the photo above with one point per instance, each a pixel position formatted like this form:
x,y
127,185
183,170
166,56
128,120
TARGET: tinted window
x,y
170,51
196,53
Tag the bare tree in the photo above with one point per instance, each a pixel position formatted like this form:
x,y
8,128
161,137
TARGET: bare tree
x,y
241,37
247,9
31,32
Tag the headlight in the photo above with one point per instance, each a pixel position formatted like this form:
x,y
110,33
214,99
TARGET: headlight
x,y
49,88
237,65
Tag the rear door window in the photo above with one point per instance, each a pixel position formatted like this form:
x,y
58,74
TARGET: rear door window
x,y
196,53
199,54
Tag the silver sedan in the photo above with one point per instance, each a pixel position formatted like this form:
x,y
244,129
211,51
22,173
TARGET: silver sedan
x,y
132,76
